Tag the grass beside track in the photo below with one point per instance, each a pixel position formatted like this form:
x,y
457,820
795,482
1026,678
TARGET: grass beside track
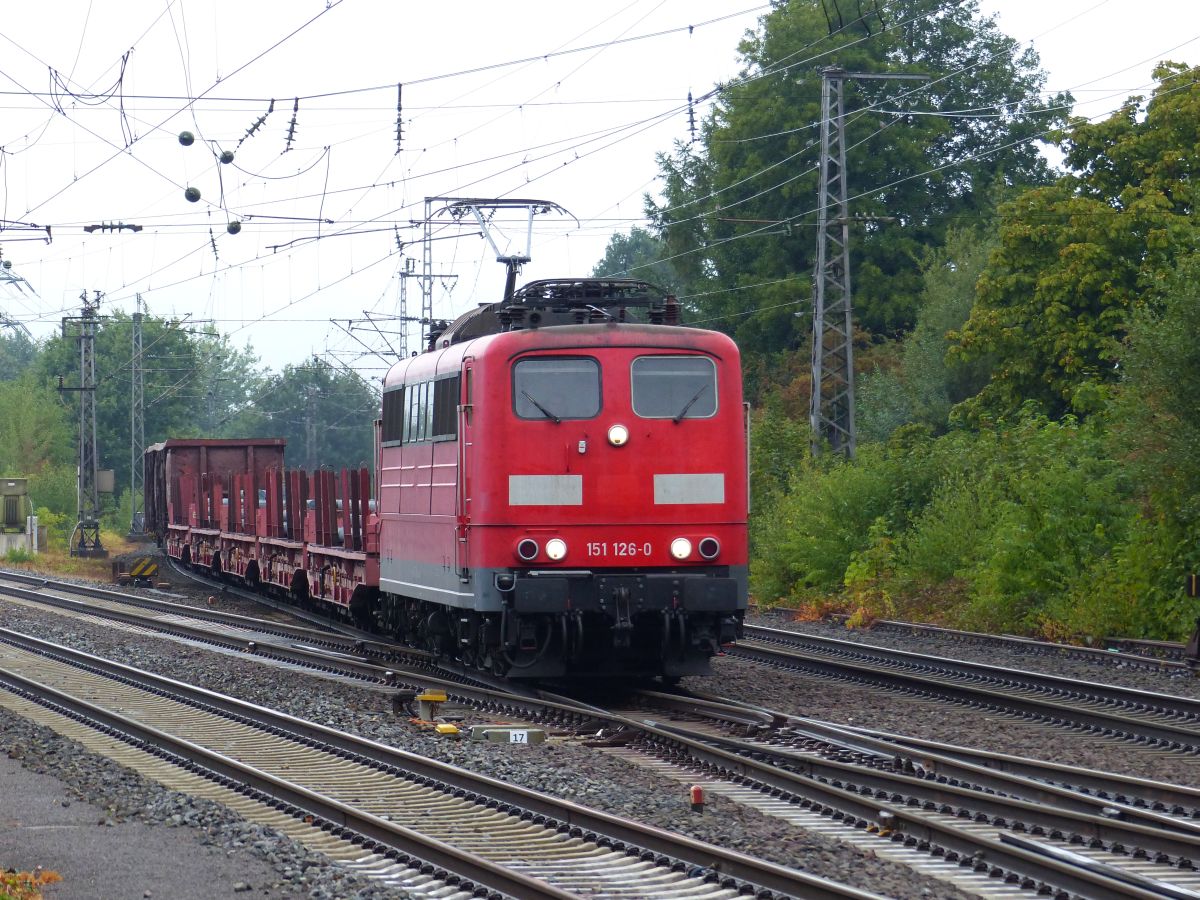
x,y
55,560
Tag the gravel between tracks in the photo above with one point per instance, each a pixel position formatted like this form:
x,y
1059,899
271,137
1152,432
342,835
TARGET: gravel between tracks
x,y
822,698
561,767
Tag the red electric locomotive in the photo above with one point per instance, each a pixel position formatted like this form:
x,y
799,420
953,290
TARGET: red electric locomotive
x,y
563,489
561,484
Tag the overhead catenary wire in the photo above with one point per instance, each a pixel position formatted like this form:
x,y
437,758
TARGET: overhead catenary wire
x,y
258,259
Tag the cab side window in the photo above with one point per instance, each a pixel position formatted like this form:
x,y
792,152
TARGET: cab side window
x,y
422,411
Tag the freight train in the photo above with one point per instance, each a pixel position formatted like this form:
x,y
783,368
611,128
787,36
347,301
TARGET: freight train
x,y
559,490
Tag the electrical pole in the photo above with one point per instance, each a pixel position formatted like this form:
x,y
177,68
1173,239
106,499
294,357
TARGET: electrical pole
x,y
831,406
137,428
427,262
85,539
406,273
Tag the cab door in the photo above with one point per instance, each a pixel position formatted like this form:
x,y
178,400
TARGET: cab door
x,y
466,419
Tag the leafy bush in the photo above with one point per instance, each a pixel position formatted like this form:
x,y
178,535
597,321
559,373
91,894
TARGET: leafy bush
x,y
58,525
117,516
19,555
946,536
1021,514
882,405
868,575
1006,529
805,538
55,489
26,885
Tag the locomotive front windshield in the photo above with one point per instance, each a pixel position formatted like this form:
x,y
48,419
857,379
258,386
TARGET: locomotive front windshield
x,y
556,388
674,387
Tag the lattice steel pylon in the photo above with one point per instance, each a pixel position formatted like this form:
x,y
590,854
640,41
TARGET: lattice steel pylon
x,y
85,539
831,405
407,271
137,428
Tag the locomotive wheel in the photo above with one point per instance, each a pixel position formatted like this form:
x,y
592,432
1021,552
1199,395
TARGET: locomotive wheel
x,y
437,632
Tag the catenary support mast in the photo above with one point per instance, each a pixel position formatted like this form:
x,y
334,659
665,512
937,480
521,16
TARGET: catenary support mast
x,y
137,426
85,539
831,405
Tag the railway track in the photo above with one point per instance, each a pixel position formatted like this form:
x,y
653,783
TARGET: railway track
x,y
297,644
1163,656
397,809
1157,804
932,817
1147,719
938,813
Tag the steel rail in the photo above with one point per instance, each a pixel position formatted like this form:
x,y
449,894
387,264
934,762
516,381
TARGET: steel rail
x,y
167,607
831,799
1106,785
1167,704
390,678
1047,648
373,671
325,634
314,657
268,600
1050,809
582,821
1102,793
406,840
564,708
930,679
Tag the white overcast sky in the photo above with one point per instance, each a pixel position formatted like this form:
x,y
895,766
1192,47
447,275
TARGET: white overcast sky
x,y
88,139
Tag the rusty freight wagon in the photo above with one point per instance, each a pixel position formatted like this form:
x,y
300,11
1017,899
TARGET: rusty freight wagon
x,y
230,508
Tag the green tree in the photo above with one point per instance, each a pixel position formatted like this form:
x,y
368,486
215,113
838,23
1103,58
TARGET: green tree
x,y
636,255
325,414
1077,257
738,207
1155,426
927,384
190,380
17,354
1157,420
229,380
37,432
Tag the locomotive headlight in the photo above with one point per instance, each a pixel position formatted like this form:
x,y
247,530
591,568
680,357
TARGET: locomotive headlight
x,y
681,548
709,547
556,548
527,549
618,435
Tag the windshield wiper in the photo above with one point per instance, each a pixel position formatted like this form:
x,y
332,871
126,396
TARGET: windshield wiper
x,y
545,412
683,412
